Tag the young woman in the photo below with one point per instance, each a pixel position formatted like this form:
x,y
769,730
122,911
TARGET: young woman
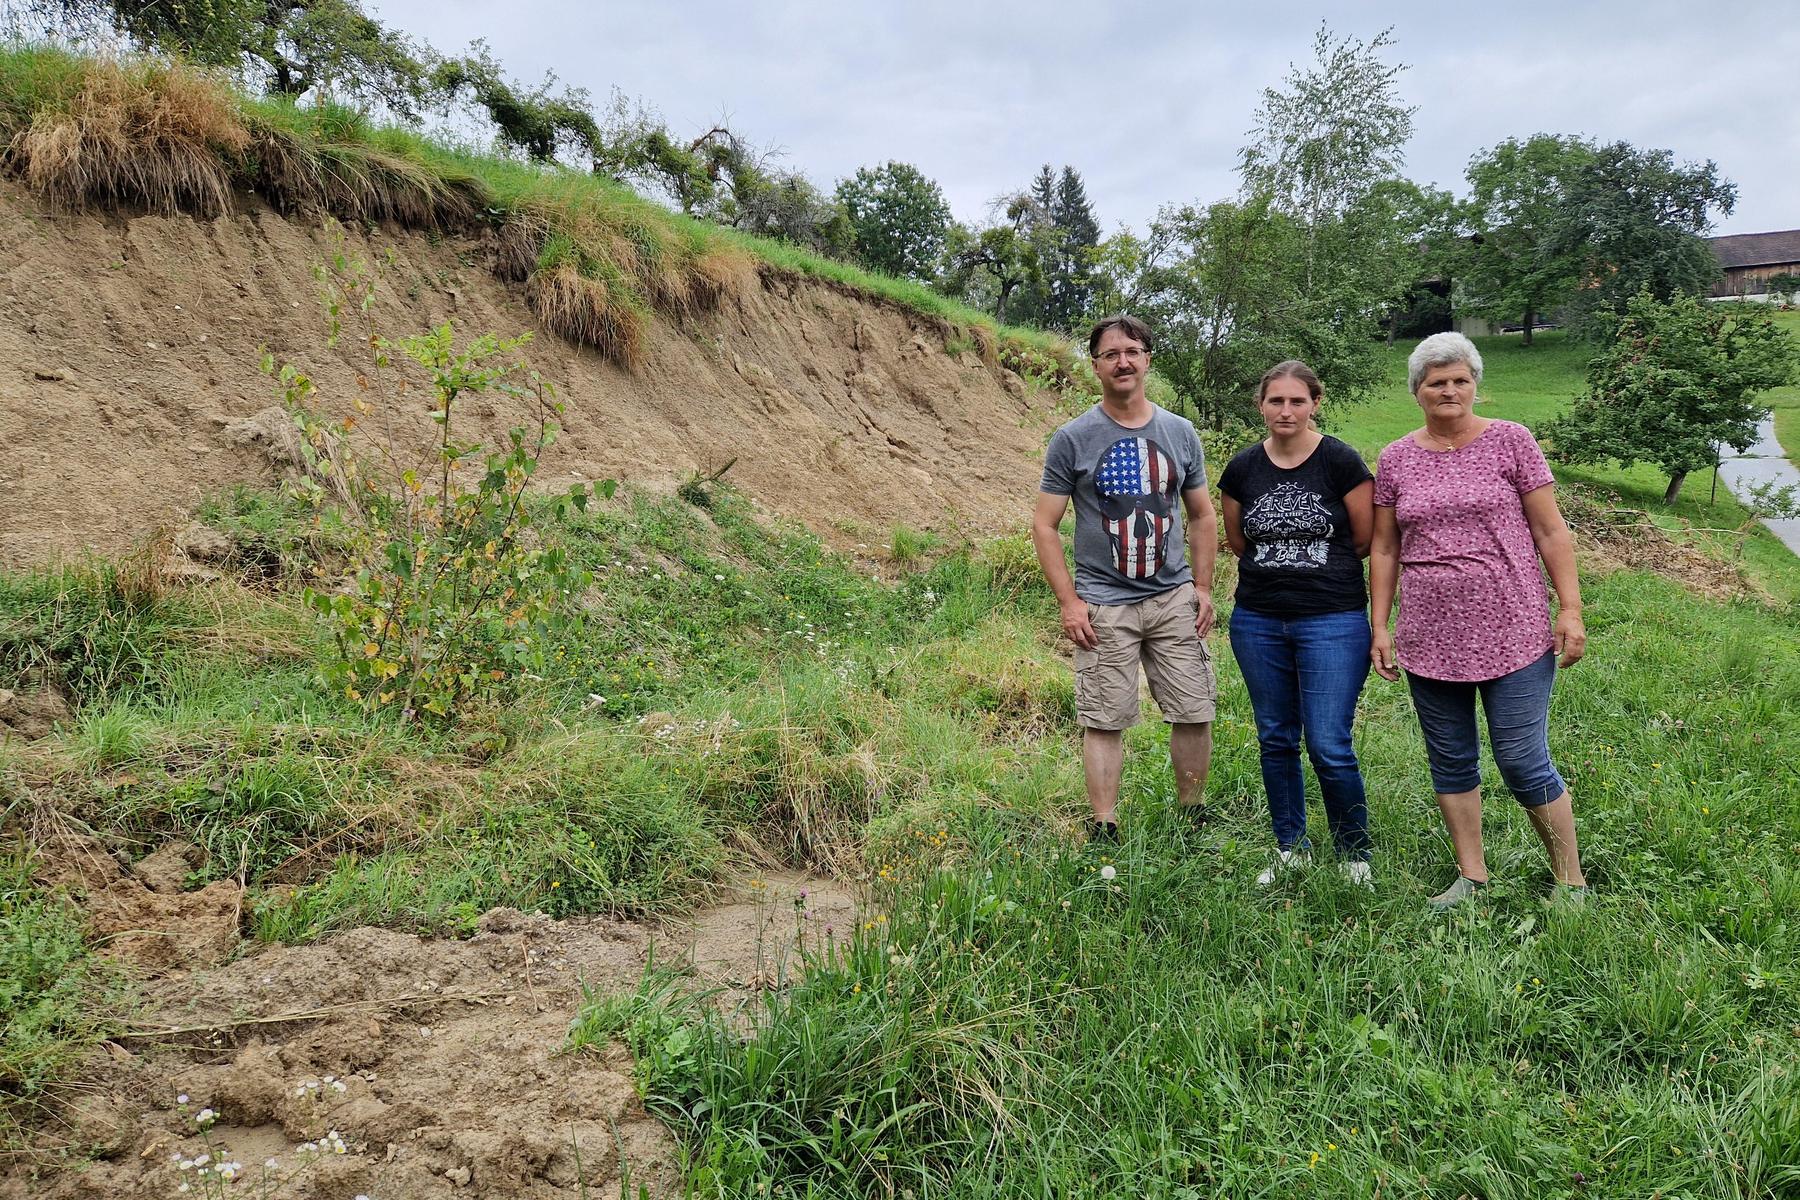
x,y
1298,515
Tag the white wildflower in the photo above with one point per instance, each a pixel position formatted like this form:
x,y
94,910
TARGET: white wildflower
x,y
1108,872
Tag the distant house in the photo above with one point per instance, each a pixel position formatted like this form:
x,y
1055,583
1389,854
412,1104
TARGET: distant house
x,y
1749,259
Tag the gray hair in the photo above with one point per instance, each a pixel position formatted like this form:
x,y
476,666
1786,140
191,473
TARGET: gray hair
x,y
1441,350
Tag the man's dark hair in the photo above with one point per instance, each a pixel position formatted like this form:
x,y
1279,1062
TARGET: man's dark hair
x,y
1126,324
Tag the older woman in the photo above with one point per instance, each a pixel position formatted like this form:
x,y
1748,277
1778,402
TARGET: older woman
x,y
1464,509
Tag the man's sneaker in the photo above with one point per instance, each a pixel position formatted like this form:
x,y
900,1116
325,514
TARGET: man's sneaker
x,y
1285,860
1359,872
1463,890
1104,833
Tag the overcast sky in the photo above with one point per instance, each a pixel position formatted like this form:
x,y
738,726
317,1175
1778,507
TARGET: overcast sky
x,y
1150,102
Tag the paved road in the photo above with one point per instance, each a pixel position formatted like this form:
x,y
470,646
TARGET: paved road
x,y
1765,463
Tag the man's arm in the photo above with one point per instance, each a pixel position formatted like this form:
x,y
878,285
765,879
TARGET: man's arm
x,y
1046,539
1203,551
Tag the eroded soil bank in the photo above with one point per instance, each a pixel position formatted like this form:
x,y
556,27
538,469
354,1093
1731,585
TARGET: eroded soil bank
x,y
130,385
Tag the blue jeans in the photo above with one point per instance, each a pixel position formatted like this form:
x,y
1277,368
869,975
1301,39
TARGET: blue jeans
x,y
1304,675
1518,721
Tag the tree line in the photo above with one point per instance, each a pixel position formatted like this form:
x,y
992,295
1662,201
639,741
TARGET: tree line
x,y
1325,250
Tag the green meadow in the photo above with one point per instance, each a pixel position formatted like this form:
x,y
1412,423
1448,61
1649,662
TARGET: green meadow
x,y
1015,1015
1786,401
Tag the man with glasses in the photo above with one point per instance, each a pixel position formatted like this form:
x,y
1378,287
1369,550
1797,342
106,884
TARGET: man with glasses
x,y
1133,470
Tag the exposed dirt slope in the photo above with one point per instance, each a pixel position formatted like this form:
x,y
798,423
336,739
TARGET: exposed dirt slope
x,y
128,380
438,1064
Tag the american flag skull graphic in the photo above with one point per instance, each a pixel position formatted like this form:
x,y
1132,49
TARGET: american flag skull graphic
x,y
1136,482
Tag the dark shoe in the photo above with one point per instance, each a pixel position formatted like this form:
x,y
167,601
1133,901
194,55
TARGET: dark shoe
x,y
1105,833
1198,815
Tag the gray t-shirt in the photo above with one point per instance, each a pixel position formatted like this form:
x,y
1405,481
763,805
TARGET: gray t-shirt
x,y
1127,486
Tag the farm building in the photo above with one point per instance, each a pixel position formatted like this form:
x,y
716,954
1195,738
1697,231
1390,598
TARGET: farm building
x,y
1751,259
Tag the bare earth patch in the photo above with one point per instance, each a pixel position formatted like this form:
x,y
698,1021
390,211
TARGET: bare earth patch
x,y
438,1063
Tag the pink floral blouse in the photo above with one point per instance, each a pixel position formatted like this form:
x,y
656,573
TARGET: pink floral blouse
x,y
1473,602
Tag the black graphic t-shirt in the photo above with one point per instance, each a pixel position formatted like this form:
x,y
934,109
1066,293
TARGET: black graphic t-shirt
x,y
1300,560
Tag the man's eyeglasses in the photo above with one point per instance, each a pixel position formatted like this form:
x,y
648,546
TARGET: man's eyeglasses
x,y
1133,354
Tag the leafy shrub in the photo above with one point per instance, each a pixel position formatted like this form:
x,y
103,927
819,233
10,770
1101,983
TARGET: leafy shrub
x,y
456,591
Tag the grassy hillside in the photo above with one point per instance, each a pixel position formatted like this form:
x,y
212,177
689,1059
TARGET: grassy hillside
x,y
1173,1024
1015,1017
596,258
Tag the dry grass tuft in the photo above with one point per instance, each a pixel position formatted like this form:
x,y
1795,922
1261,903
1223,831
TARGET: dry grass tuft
x,y
156,134
986,344
518,243
360,183
725,273
599,313
141,577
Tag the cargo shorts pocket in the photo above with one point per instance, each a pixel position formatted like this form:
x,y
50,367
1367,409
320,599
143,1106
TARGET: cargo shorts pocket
x,y
1106,678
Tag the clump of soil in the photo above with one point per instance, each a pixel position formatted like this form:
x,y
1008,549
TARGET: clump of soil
x,y
140,914
437,1063
32,713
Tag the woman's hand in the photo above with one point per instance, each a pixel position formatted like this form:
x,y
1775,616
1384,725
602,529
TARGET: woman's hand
x,y
1569,638
1381,653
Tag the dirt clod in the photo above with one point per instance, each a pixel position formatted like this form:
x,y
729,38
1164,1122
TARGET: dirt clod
x,y
166,869
32,714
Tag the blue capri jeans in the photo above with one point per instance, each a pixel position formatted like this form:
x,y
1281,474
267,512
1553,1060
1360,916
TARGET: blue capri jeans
x,y
1518,720
1304,675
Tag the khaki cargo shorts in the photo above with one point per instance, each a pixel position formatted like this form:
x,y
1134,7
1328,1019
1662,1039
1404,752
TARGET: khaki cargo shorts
x,y
1158,632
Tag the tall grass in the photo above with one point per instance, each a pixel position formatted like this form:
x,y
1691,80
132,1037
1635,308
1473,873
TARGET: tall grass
x,y
1007,1020
597,258
1015,1022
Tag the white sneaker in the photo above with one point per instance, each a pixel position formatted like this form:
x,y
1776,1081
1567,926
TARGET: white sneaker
x,y
1359,872
1285,860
